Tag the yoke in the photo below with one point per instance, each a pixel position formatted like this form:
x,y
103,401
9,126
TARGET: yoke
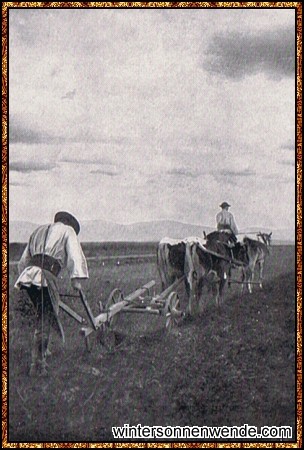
x,y
230,260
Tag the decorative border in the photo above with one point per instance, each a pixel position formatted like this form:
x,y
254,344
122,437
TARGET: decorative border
x,y
5,6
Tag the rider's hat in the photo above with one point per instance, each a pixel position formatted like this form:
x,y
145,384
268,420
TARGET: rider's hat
x,y
225,205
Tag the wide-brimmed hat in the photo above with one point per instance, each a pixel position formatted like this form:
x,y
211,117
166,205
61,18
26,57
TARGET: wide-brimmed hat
x,y
225,205
67,219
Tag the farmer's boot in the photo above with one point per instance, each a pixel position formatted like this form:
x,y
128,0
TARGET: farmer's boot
x,y
35,353
39,353
47,351
43,368
44,351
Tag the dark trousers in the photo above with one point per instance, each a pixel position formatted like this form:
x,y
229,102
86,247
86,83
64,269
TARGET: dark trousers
x,y
44,321
227,229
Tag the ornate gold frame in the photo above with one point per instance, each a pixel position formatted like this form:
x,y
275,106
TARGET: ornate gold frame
x,y
5,6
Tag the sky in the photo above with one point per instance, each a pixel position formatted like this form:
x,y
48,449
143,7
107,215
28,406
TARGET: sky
x,y
132,115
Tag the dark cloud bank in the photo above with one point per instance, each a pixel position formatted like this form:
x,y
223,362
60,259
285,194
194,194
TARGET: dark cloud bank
x,y
235,55
25,135
31,166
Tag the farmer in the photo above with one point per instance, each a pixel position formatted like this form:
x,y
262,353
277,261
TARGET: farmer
x,y
50,248
225,221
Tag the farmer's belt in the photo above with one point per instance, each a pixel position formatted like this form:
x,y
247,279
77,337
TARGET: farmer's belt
x,y
46,262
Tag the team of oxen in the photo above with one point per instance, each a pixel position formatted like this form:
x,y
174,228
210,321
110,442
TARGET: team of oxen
x,y
208,263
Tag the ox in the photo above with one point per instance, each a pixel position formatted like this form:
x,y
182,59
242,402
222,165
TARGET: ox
x,y
175,259
204,265
201,271
235,255
170,260
257,251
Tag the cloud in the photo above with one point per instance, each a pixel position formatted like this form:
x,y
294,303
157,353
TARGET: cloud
x,y
233,177
238,54
87,161
288,146
284,180
182,172
31,166
25,135
15,183
280,177
109,173
22,133
237,173
287,163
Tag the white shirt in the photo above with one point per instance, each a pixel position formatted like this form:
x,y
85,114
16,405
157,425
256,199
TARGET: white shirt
x,y
62,244
225,217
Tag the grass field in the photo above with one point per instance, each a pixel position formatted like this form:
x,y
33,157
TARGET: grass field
x,y
230,366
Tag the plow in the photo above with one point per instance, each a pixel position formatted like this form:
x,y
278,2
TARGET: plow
x,y
141,301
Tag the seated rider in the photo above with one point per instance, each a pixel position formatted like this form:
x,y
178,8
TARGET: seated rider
x,y
225,222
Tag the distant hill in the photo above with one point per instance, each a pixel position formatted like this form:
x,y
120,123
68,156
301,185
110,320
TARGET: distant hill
x,y
101,230
20,231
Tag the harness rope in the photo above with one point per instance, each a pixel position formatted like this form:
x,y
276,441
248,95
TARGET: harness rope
x,y
43,353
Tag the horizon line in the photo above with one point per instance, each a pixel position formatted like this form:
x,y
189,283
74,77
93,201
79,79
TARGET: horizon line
x,y
154,220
